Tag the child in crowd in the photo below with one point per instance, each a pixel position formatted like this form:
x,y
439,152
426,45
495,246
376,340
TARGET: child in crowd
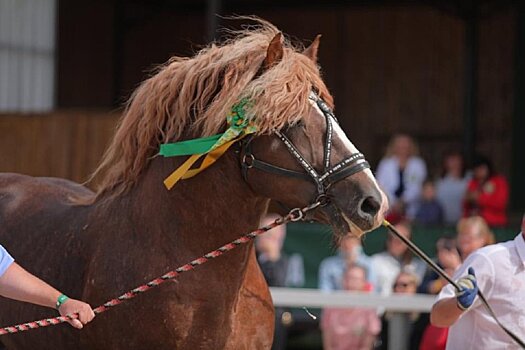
x,y
350,328
429,211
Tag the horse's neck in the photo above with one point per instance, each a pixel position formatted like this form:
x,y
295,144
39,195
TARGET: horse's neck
x,y
205,212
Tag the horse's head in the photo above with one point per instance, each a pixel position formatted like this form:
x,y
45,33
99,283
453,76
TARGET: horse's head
x,y
312,160
295,153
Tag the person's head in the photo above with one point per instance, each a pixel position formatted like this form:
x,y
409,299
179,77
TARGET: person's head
x,y
395,246
428,191
482,168
453,164
349,244
444,247
354,278
446,243
271,240
406,282
402,146
473,233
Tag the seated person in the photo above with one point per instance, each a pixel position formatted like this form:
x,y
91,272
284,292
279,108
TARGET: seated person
x,y
350,328
396,258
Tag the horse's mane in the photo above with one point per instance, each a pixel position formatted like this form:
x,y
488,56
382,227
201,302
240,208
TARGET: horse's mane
x,y
190,97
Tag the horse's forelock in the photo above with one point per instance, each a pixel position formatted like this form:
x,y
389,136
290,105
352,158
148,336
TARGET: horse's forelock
x,y
191,97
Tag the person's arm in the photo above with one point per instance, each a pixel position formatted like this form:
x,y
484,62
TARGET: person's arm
x,y
325,276
16,283
367,341
327,341
447,311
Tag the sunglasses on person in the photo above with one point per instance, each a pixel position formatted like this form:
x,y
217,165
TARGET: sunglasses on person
x,y
402,284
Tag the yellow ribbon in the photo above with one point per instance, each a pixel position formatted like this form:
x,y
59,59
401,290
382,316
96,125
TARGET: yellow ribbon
x,y
185,171
239,127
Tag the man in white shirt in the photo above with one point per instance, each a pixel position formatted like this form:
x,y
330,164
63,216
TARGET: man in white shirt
x,y
499,272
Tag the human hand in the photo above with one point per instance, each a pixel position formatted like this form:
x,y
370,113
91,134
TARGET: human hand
x,y
469,289
84,311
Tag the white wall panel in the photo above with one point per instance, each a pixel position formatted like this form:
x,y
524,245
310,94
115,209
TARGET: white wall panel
x,y
27,55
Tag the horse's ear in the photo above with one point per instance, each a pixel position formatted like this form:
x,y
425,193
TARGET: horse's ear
x,y
311,51
275,51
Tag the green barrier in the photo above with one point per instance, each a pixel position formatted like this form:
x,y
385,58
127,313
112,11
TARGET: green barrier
x,y
314,243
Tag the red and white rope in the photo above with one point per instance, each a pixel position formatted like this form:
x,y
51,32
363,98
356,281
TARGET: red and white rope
x,y
293,216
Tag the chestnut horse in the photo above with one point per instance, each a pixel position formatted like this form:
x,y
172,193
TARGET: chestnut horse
x,y
95,246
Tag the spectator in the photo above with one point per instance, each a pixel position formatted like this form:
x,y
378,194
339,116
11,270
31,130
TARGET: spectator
x,y
487,194
497,270
331,269
350,328
429,211
274,266
406,282
451,187
388,264
401,173
448,258
473,233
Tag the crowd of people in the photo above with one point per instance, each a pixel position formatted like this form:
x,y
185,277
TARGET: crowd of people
x,y
472,200
444,199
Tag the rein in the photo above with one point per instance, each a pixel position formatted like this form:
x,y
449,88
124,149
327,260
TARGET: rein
x,y
443,274
295,214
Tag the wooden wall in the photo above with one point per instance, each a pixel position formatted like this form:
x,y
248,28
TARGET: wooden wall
x,y
391,68
67,144
496,88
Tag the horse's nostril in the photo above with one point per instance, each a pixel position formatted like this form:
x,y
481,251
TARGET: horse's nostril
x,y
370,206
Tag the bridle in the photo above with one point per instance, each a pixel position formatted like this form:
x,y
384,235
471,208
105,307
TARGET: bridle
x,y
323,181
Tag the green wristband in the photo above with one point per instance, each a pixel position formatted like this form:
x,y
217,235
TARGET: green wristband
x,y
61,300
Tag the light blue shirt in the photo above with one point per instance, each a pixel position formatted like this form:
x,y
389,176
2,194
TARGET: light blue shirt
x,y
450,192
332,268
5,260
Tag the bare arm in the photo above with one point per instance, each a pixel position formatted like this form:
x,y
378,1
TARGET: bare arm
x,y
16,283
445,312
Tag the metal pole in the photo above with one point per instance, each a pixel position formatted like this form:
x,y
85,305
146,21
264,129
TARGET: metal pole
x,y
398,331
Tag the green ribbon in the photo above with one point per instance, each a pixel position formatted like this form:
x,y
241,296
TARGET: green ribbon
x,y
238,123
189,147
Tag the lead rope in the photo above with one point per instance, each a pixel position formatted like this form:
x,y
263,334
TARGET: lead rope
x,y
443,274
294,215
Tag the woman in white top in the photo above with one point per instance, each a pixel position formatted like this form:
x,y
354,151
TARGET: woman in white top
x,y
401,174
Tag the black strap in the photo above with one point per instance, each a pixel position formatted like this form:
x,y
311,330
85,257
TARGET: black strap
x,y
270,168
